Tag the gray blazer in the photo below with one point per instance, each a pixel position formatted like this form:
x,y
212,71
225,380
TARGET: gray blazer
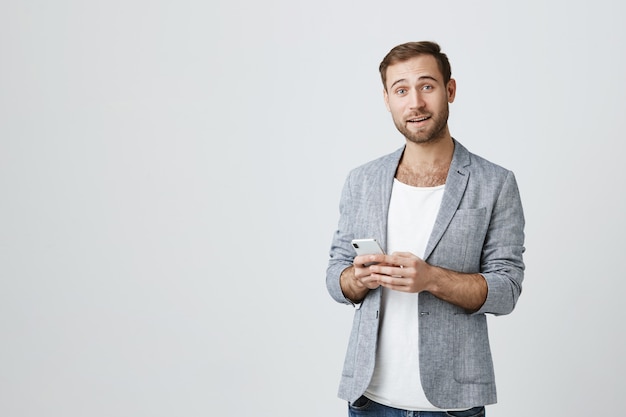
x,y
479,229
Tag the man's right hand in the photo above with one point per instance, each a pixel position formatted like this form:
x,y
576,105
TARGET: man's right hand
x,y
356,280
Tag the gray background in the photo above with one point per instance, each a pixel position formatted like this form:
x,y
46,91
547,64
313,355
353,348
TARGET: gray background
x,y
169,184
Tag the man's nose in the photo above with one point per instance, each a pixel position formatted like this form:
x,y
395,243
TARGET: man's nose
x,y
416,100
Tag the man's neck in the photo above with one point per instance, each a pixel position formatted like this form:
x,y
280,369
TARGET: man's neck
x,y
428,154
426,164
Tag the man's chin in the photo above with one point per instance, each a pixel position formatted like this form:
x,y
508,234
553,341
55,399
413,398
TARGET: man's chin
x,y
423,139
415,137
420,141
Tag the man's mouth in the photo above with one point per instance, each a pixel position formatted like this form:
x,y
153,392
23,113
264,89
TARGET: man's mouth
x,y
418,119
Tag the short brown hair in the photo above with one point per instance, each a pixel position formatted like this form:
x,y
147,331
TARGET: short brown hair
x,y
410,50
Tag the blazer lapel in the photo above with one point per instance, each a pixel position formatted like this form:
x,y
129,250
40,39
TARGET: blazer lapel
x,y
456,182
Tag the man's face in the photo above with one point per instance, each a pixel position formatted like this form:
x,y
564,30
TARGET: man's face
x,y
418,99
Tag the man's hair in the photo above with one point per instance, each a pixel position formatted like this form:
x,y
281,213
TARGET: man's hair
x,y
410,50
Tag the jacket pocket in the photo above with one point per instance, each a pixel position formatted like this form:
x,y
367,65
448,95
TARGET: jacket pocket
x,y
472,356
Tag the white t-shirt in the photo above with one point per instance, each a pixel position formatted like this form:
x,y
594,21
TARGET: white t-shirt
x,y
396,380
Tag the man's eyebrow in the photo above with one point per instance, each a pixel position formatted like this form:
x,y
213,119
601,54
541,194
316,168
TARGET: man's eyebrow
x,y
397,81
423,77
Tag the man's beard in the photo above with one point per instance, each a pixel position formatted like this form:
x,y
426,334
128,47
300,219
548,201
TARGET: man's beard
x,y
429,135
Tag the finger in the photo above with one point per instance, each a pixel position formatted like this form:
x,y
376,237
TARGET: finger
x,y
370,282
388,270
398,284
364,261
405,257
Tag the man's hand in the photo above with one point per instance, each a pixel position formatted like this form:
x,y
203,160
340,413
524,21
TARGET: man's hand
x,y
404,271
401,271
357,280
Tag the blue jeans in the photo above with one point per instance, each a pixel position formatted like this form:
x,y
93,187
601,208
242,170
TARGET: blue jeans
x,y
364,407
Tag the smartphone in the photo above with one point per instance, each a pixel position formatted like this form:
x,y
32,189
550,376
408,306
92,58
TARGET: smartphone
x,y
367,247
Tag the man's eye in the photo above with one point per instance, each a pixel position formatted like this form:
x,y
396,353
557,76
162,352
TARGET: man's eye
x,y
401,91
427,87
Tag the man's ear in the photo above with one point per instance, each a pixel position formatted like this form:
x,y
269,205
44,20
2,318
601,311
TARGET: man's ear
x,y
451,89
386,97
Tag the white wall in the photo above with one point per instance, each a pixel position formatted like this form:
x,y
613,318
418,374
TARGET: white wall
x,y
170,175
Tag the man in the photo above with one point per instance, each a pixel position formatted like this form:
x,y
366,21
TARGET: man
x,y
451,224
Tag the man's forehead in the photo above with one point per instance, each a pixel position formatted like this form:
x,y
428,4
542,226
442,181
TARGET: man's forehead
x,y
423,65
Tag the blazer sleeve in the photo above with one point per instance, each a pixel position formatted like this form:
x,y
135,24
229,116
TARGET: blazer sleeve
x,y
341,252
502,255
